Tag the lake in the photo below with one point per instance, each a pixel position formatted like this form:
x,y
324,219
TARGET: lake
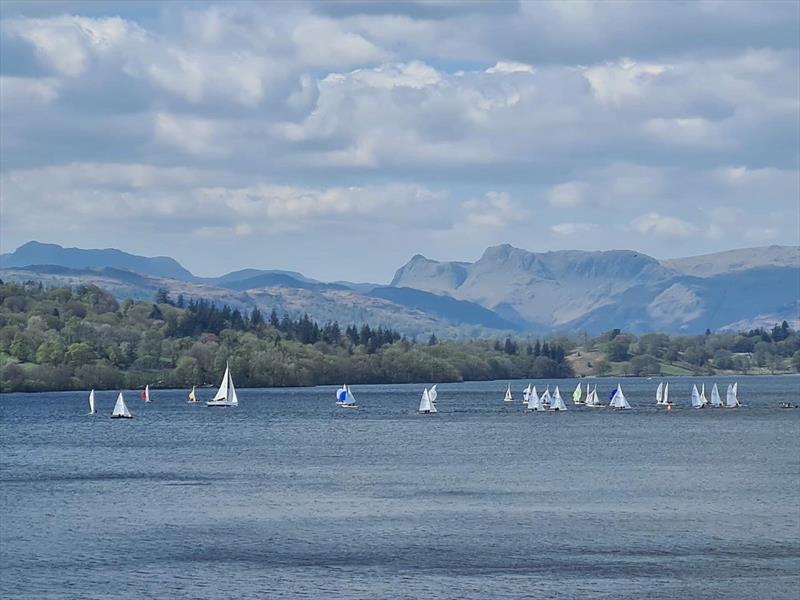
x,y
289,496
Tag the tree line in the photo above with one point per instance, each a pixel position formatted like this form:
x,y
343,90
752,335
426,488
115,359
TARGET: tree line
x,y
61,338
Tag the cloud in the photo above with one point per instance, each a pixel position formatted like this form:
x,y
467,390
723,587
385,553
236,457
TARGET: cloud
x,y
570,229
192,135
662,225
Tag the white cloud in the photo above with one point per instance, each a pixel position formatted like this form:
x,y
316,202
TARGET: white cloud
x,y
190,134
22,92
570,229
494,210
662,225
567,195
505,67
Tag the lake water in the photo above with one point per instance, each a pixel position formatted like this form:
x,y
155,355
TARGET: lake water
x,y
289,496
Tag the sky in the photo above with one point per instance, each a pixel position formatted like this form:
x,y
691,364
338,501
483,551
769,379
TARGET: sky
x,y
339,139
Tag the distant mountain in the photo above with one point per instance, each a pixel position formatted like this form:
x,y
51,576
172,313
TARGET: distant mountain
x,y
36,253
595,291
743,259
507,289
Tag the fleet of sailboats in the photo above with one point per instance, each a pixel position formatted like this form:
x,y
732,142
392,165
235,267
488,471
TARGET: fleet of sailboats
x,y
226,396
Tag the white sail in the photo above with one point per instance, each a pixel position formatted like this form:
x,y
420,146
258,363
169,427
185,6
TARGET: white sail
x,y
660,393
192,395
526,394
533,400
433,394
666,394
731,401
703,398
222,392
545,399
557,403
226,394
147,393
619,400
591,397
92,409
425,404
577,394
509,397
716,401
697,402
120,409
232,397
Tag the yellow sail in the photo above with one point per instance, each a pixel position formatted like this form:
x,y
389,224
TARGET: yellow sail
x,y
192,397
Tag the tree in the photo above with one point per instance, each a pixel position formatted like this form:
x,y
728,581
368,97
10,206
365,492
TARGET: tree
x,y
433,340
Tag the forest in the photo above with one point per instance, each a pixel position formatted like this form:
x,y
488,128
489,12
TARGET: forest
x,y
61,338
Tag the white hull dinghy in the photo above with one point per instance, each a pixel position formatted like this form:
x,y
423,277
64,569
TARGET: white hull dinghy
x,y
577,395
226,394
716,401
619,401
509,397
120,409
349,400
697,401
557,402
426,407
731,401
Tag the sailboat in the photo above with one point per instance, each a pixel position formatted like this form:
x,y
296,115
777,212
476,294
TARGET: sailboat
x,y
557,403
146,393
226,394
577,395
509,397
425,405
716,401
192,396
526,395
660,394
591,398
533,400
697,401
545,399
120,410
92,410
703,398
731,401
349,399
665,400
619,401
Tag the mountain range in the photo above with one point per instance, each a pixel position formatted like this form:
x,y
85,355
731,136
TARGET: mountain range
x,y
507,289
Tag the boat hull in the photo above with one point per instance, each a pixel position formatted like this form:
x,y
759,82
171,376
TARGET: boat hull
x,y
220,403
121,417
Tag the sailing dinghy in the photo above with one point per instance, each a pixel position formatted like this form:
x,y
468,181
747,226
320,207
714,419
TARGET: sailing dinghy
x,y
226,394
349,400
545,399
591,398
619,400
533,400
731,401
660,394
557,402
697,401
509,397
92,409
341,395
433,394
526,395
120,409
716,401
146,394
192,396
577,395
426,407
703,399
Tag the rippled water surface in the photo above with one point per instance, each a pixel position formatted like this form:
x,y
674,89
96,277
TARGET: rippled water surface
x,y
289,496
